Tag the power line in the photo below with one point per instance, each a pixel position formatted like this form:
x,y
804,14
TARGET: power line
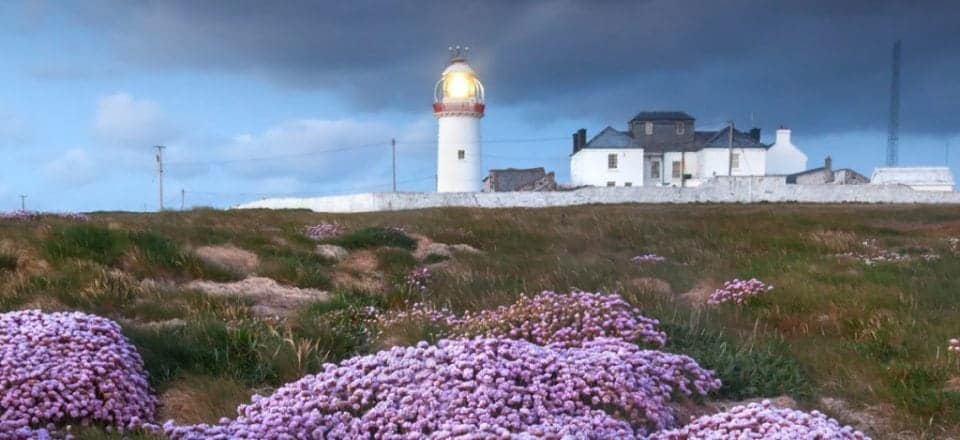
x,y
282,156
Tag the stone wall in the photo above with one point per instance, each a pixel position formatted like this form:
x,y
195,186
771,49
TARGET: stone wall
x,y
717,190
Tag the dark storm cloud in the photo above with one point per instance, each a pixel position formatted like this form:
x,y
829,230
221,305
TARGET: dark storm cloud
x,y
822,66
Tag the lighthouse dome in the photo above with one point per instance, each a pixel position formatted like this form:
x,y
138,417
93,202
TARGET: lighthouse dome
x,y
458,83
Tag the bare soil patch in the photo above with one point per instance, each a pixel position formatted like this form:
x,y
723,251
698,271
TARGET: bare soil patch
x,y
271,299
229,257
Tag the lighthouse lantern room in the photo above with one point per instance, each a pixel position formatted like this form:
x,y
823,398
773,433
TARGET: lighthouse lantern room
x,y
458,105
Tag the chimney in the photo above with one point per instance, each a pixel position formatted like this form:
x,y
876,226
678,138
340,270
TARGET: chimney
x,y
755,134
783,136
828,164
579,139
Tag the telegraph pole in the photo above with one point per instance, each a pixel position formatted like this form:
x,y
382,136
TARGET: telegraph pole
x,y
23,202
730,151
160,171
393,147
183,195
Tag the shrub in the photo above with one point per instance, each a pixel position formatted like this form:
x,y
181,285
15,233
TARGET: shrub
x,y
375,237
69,368
763,420
605,389
739,291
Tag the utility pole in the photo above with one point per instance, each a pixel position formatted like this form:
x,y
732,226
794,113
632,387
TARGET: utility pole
x,y
23,202
393,147
893,130
183,195
160,171
730,151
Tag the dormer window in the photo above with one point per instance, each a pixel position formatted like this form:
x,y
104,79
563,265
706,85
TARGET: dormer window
x,y
681,127
648,127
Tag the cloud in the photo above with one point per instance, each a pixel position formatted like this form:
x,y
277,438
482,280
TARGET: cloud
x,y
13,130
74,167
315,151
124,121
820,65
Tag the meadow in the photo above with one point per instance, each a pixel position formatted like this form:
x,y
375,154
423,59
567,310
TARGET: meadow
x,y
864,298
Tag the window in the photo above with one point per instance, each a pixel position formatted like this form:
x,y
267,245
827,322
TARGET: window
x,y
611,183
461,154
681,128
655,169
648,127
612,161
627,183
735,161
676,169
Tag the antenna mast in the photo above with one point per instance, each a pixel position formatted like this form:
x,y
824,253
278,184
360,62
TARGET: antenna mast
x,y
893,136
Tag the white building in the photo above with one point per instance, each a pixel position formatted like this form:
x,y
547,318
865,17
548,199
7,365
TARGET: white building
x,y
664,149
458,105
784,158
918,178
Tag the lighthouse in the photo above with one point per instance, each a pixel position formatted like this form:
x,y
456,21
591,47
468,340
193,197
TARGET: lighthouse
x,y
458,106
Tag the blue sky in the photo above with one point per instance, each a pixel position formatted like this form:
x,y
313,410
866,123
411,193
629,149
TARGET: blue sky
x,y
250,107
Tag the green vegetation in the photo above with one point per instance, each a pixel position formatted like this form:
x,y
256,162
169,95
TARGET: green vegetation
x,y
8,262
368,238
832,327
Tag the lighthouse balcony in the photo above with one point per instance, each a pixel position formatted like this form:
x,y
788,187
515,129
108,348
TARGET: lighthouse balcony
x,y
458,108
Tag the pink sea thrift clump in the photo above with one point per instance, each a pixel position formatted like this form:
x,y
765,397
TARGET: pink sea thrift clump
x,y
479,388
762,421
565,319
954,346
323,231
75,368
739,291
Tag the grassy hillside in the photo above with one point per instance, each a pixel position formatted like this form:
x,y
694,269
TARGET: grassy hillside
x,y
872,334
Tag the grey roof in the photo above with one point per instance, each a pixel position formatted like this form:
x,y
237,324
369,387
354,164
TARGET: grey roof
x,y
721,139
662,116
612,138
792,178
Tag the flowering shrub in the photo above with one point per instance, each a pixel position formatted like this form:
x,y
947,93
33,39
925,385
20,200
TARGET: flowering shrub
x,y
68,367
954,346
648,258
762,420
548,318
739,291
480,388
568,320
323,231
418,278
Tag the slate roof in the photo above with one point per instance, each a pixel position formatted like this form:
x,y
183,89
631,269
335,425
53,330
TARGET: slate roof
x,y
662,116
721,139
612,138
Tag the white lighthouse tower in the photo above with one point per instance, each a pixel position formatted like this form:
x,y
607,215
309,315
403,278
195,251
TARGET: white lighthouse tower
x,y
458,106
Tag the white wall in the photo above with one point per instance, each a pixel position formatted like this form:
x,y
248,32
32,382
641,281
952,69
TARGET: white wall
x,y
784,157
689,163
589,167
715,161
720,190
455,174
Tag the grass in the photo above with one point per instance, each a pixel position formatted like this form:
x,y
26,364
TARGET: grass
x,y
374,237
871,335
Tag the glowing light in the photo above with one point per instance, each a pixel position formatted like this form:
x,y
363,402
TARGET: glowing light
x,y
459,85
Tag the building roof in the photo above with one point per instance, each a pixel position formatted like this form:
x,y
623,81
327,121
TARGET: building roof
x,y
662,116
612,138
913,176
721,139
850,174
